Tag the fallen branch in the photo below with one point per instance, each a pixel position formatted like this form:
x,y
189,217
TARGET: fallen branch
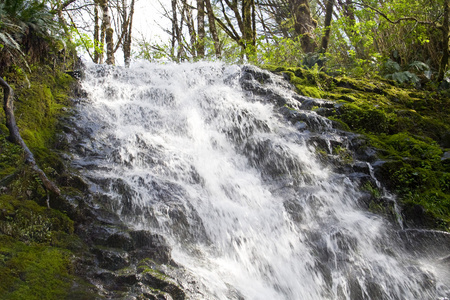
x,y
14,136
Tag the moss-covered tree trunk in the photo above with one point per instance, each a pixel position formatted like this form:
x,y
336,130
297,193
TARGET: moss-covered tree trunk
x,y
304,24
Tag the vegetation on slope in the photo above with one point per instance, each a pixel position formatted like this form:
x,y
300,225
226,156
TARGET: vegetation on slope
x,y
37,244
409,127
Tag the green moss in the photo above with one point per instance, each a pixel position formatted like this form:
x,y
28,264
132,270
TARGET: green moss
x,y
343,154
406,145
29,222
305,83
40,105
33,271
367,119
309,91
339,124
10,157
437,205
372,190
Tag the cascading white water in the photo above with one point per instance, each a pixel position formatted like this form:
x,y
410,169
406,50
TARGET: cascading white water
x,y
237,191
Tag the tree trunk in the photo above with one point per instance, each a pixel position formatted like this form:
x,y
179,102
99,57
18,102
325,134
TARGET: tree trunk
x,y
96,34
212,27
248,8
127,36
177,39
327,24
247,32
201,28
108,32
181,52
174,27
445,41
191,28
304,24
14,136
102,40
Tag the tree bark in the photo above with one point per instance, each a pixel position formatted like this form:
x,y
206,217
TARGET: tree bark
x,y
304,24
212,28
174,28
14,136
177,39
102,33
96,34
327,24
127,36
201,28
108,32
248,34
181,53
108,36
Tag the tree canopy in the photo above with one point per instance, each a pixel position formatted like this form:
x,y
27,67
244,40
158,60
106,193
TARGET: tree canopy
x,y
407,41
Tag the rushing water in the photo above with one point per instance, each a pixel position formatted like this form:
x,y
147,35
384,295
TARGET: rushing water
x,y
246,206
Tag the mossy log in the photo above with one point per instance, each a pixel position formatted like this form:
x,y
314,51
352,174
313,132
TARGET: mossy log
x,y
14,136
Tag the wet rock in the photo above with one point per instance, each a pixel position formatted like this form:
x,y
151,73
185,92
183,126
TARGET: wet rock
x,y
159,281
361,167
290,114
294,209
112,259
117,280
446,155
250,72
150,245
121,240
308,103
425,243
325,112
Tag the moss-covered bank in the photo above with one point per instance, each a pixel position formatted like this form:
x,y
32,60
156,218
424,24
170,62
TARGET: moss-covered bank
x,y
38,246
409,127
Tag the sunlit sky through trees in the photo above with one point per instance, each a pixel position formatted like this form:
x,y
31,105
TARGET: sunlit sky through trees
x,y
149,19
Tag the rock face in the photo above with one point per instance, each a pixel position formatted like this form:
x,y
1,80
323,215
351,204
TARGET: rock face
x,y
119,262
347,152
128,263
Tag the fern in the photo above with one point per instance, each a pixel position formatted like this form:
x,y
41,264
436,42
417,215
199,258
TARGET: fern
x,y
391,66
404,77
419,66
8,41
394,72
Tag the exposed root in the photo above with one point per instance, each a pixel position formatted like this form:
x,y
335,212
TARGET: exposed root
x,y
14,136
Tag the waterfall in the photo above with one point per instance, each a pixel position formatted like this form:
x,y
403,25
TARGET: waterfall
x,y
205,155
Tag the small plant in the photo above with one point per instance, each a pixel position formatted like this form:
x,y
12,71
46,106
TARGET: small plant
x,y
372,190
410,75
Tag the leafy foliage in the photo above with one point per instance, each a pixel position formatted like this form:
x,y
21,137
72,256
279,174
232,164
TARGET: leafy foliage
x,y
28,30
